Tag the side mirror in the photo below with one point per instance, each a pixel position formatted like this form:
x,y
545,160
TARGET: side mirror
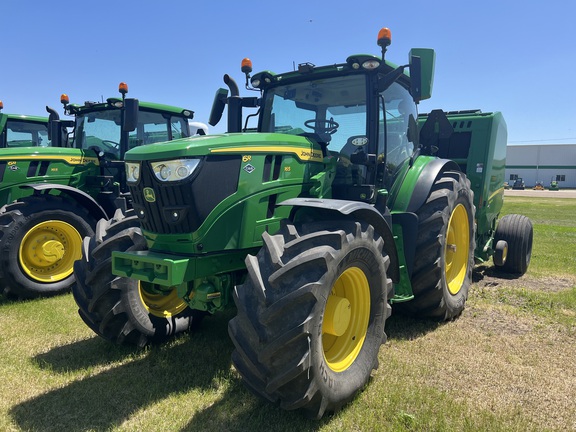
x,y
422,62
131,107
218,106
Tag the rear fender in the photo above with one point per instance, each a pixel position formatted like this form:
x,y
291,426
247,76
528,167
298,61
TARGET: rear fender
x,y
426,180
417,186
359,211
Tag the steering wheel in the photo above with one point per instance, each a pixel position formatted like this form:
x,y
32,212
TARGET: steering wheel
x,y
322,126
112,145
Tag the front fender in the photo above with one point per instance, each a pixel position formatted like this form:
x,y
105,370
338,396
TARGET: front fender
x,y
79,196
360,211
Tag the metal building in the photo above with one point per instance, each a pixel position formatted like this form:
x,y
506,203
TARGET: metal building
x,y
542,163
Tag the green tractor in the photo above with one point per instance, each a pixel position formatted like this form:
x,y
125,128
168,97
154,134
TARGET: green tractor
x,y
554,185
23,131
53,196
343,204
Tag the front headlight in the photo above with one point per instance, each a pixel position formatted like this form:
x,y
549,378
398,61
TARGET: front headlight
x,y
132,172
174,170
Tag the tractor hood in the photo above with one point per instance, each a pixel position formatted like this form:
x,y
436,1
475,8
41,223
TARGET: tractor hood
x,y
235,143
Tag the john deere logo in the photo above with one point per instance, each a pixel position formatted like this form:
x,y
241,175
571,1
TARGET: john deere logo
x,y
149,194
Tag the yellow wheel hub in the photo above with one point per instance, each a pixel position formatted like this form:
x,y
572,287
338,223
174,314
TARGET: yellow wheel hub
x,y
162,305
346,319
457,249
48,251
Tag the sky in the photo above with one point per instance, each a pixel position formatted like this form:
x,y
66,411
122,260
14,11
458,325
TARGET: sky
x,y
517,57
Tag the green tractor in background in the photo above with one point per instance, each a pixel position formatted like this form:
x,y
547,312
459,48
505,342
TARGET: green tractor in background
x,y
22,130
53,196
342,205
554,185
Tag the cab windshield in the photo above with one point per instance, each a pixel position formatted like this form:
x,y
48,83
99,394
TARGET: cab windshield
x,y
330,110
101,130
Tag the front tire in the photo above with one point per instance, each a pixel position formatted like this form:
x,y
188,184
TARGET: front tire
x,y
444,250
41,237
117,308
311,314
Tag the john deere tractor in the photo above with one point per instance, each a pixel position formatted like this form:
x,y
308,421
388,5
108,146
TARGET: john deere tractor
x,y
53,196
22,131
336,209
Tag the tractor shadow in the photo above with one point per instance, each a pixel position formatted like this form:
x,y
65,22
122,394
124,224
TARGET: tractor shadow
x,y
5,300
404,327
7,297
104,400
489,274
401,326
84,354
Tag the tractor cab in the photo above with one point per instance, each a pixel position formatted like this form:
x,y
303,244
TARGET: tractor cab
x,y
119,124
362,113
366,131
111,128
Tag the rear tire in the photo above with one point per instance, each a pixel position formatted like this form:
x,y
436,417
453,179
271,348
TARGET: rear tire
x,y
517,231
444,250
311,314
40,238
116,308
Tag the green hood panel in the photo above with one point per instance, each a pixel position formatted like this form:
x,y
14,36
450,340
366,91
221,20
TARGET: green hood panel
x,y
236,143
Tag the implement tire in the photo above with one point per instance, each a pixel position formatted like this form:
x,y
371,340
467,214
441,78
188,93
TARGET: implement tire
x,y
115,307
311,314
516,230
444,250
40,238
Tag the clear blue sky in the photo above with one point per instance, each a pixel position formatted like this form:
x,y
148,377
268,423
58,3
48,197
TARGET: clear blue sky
x,y
510,56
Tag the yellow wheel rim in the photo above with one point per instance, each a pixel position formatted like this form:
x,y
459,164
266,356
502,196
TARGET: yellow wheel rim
x,y
48,251
457,249
162,305
345,319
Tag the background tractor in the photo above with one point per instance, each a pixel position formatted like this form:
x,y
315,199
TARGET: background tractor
x,y
53,196
342,204
518,184
554,185
22,131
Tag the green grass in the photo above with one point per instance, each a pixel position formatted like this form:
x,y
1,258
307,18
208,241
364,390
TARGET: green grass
x,y
505,365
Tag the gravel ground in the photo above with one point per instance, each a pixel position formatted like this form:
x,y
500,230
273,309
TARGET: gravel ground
x,y
566,193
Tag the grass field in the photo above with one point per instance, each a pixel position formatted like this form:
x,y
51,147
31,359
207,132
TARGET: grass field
x,y
507,364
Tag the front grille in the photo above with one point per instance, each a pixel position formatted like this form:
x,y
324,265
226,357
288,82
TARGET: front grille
x,y
181,207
